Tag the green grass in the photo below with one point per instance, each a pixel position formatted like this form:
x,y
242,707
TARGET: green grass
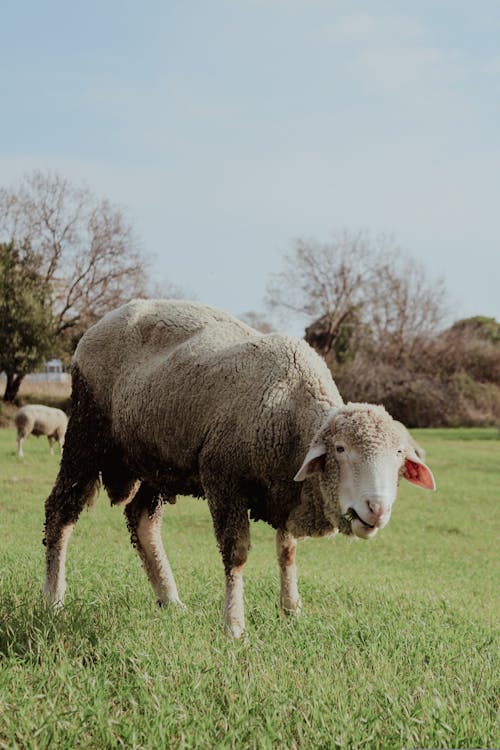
x,y
397,645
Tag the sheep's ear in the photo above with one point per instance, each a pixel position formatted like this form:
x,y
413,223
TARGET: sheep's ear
x,y
313,462
418,473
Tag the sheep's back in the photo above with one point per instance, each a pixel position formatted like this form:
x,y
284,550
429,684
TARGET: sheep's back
x,y
134,334
177,376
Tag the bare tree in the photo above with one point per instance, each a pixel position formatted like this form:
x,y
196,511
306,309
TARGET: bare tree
x,y
403,306
166,289
354,285
378,319
256,320
90,256
322,277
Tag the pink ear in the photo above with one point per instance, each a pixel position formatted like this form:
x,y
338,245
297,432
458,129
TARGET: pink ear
x,y
419,473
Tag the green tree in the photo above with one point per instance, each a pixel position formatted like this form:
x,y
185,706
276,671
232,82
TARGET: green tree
x,y
88,252
479,326
26,324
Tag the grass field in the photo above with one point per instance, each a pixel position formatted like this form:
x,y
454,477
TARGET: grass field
x,y
397,646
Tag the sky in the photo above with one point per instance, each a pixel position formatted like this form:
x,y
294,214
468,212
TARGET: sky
x,y
226,129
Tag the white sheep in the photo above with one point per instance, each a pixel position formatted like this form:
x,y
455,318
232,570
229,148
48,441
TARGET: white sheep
x,y
174,397
38,419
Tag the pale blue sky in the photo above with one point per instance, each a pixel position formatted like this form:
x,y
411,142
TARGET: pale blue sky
x,y
226,129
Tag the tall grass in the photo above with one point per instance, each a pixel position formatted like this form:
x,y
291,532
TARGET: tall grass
x,y
397,645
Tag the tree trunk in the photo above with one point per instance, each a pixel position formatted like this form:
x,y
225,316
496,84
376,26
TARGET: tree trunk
x,y
321,334
12,387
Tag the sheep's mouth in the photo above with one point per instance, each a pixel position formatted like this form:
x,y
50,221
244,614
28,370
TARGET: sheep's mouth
x,y
351,515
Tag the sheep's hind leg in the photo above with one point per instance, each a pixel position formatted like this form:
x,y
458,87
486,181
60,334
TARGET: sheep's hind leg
x,y
76,485
62,508
286,548
233,537
144,515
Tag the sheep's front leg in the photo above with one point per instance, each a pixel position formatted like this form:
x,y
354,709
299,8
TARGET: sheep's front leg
x,y
56,540
286,548
51,444
20,446
144,516
233,537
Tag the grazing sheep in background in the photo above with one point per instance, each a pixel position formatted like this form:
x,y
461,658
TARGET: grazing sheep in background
x,y
37,419
174,397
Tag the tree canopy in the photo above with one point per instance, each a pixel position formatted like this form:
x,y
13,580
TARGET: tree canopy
x,y
72,257
87,250
26,326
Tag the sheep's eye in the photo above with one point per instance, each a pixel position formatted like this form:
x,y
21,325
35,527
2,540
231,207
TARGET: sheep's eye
x,y
339,448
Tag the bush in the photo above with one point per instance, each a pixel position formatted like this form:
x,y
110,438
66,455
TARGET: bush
x,y
450,379
420,399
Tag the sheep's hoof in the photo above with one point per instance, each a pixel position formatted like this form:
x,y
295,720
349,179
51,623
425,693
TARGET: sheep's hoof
x,y
234,629
291,607
55,605
171,603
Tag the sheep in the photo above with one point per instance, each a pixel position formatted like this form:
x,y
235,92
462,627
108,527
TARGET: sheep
x,y
38,419
175,397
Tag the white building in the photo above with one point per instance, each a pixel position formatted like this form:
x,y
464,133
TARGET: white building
x,y
53,372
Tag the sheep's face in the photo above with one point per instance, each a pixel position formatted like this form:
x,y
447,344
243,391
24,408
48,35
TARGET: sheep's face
x,y
359,457
367,486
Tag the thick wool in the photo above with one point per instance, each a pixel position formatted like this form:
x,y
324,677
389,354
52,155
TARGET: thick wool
x,y
199,403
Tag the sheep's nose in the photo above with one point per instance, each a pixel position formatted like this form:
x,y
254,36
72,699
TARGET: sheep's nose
x,y
376,508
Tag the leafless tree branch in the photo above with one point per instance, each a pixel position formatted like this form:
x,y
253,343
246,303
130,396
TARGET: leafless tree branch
x,y
89,253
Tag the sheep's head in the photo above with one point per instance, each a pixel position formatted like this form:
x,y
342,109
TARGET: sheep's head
x,y
358,458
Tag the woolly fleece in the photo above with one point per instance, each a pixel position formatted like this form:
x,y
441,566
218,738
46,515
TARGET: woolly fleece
x,y
201,403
